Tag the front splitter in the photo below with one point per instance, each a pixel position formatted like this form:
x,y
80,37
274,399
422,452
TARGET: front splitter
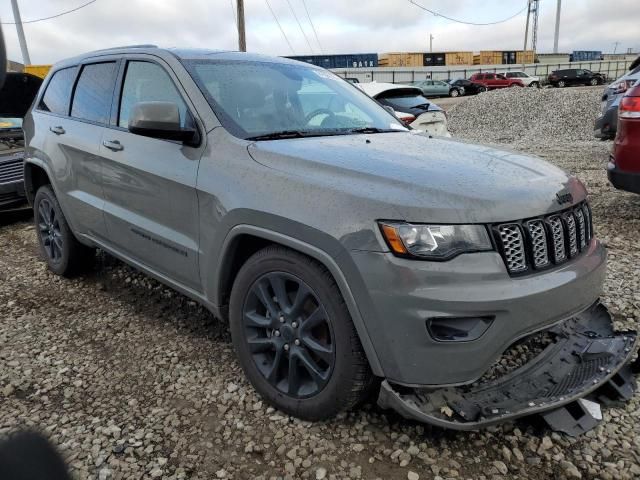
x,y
586,360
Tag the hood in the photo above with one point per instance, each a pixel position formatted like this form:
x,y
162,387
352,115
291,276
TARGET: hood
x,y
425,179
17,94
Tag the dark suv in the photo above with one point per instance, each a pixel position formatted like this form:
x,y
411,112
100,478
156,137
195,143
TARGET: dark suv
x,y
576,76
16,96
349,254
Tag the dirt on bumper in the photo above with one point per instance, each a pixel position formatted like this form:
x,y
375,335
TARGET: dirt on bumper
x,y
585,365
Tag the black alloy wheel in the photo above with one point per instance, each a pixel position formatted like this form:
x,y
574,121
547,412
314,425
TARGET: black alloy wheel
x,y
49,230
289,335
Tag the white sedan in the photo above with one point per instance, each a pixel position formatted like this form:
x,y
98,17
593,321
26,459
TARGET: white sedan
x,y
410,106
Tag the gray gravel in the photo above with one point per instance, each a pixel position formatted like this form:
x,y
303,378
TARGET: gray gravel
x,y
132,380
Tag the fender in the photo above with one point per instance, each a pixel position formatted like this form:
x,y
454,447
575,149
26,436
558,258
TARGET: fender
x,y
328,261
28,181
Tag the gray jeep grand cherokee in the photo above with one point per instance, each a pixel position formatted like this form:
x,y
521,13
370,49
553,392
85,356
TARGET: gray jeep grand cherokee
x,y
349,254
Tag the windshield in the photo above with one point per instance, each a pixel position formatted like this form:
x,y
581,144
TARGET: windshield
x,y
258,99
10,123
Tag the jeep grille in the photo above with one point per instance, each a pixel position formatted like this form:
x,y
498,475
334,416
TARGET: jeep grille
x,y
540,243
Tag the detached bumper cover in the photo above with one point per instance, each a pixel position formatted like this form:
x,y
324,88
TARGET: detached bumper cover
x,y
585,360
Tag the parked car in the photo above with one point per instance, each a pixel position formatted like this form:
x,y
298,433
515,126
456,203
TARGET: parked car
x,y
624,164
576,76
495,80
436,88
527,80
352,80
410,105
470,88
348,254
16,95
607,123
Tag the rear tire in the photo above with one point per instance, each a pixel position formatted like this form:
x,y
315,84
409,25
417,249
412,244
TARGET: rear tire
x,y
482,89
64,254
562,84
303,357
534,85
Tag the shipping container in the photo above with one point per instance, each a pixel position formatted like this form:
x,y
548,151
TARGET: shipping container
x,y
586,55
37,70
459,58
353,60
489,57
435,59
401,59
526,56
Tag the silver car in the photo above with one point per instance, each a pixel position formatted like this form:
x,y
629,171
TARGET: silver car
x,y
350,256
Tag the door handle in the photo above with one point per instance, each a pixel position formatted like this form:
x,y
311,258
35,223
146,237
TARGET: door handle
x,y
57,130
113,145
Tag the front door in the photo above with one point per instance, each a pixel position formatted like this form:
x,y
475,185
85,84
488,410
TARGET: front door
x,y
151,204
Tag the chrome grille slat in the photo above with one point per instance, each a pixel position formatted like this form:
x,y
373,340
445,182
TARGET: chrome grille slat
x,y
557,232
573,234
11,171
549,240
513,245
538,243
582,231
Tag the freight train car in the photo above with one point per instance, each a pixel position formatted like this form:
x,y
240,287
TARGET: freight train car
x,y
352,60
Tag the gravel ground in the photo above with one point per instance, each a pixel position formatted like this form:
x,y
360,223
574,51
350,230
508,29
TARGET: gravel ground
x,y
132,380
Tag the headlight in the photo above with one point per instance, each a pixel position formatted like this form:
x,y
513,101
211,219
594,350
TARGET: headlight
x,y
435,242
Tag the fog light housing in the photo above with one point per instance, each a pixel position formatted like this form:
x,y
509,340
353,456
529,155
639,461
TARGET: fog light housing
x,y
458,329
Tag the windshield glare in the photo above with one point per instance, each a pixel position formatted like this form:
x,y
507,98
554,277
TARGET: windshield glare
x,y
253,99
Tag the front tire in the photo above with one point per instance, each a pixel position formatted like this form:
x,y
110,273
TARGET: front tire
x,y
534,85
562,84
482,89
454,92
294,337
594,82
58,246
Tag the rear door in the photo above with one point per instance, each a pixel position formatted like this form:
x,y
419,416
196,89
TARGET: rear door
x,y
151,204
72,132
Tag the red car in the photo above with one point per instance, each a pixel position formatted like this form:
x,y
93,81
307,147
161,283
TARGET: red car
x,y
624,163
495,80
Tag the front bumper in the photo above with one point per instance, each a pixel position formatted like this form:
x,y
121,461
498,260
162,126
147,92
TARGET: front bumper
x,y
628,181
12,195
585,360
404,294
606,124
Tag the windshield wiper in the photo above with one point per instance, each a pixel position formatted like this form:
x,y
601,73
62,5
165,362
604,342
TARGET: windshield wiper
x,y
373,130
280,135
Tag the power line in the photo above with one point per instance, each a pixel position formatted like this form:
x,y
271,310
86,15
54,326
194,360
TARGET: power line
x,y
280,26
54,16
313,27
438,14
300,25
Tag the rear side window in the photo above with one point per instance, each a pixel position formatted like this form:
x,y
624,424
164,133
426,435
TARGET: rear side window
x,y
56,96
92,97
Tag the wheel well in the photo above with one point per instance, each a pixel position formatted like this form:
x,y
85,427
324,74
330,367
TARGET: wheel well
x,y
34,178
242,248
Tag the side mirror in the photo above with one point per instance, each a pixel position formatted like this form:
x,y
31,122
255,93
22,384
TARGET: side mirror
x,y
159,120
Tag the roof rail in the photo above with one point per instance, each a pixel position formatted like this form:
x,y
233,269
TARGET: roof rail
x,y
129,46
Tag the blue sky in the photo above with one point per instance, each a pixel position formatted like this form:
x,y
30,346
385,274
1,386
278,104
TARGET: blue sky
x,y
343,26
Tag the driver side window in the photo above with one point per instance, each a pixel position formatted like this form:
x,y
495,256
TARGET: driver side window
x,y
148,82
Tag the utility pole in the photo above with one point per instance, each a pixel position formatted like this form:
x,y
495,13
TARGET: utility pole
x,y
615,47
557,35
242,40
526,32
431,37
21,39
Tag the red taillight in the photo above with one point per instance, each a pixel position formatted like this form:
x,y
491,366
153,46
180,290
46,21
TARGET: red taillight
x,y
629,107
407,119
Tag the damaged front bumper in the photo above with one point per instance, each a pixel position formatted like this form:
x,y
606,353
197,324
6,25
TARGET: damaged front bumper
x,y
585,364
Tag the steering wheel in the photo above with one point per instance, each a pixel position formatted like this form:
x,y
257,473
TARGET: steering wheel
x,y
317,112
